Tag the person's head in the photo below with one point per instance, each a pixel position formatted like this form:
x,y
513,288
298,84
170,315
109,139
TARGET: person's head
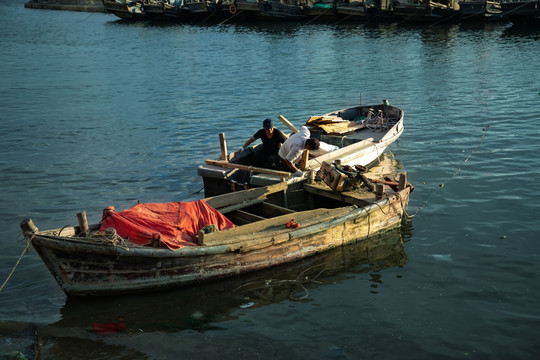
x,y
268,124
312,144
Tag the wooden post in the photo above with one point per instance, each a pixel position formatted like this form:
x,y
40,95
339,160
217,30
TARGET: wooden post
x,y
303,162
27,226
287,124
379,191
402,180
83,223
223,146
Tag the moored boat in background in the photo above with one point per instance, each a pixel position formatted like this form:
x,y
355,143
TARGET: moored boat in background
x,y
522,12
480,10
426,11
125,9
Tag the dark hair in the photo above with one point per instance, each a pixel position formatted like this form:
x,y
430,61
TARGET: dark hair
x,y
312,143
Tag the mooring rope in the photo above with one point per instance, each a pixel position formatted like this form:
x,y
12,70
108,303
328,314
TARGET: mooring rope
x,y
17,263
458,170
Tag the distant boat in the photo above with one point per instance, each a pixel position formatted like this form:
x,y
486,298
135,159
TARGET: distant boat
x,y
480,10
426,11
125,9
351,10
273,225
281,10
159,10
522,12
321,10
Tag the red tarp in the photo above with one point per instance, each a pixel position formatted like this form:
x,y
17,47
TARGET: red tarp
x,y
177,223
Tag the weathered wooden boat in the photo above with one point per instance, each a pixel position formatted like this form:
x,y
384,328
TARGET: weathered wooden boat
x,y
244,9
522,12
357,135
427,11
125,9
282,10
208,10
273,226
480,10
159,10
321,10
351,10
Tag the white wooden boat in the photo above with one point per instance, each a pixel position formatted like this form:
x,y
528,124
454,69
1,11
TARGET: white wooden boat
x,y
273,226
361,134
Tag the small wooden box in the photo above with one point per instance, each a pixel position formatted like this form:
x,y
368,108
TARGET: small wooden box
x,y
332,177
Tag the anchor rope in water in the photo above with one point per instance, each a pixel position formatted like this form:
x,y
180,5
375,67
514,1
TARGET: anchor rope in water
x,y
17,263
458,170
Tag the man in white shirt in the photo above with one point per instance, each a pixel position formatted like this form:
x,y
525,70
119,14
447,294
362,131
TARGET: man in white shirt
x,y
291,150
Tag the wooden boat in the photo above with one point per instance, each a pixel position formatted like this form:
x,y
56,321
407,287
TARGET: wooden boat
x,y
426,11
125,9
480,10
282,10
361,134
351,10
154,9
159,10
522,12
273,226
321,10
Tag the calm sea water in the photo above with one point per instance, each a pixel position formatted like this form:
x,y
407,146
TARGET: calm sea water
x,y
97,112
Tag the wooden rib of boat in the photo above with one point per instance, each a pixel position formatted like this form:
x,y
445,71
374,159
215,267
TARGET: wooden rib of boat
x,y
125,9
361,135
274,225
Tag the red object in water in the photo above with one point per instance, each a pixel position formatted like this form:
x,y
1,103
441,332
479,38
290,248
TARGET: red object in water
x,y
292,225
177,223
109,328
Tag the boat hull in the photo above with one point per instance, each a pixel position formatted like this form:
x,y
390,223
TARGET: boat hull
x,y
88,268
125,10
522,12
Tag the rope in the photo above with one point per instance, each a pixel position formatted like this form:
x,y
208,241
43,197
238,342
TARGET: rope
x,y
17,263
229,18
316,17
455,174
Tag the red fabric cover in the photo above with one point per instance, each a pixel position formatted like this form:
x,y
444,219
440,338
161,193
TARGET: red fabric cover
x,y
177,223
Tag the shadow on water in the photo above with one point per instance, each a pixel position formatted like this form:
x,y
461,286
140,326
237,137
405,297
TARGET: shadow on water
x,y
205,307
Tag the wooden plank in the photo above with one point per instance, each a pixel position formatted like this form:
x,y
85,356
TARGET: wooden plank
x,y
266,229
221,201
241,205
304,160
223,146
275,210
229,165
287,123
337,154
245,217
349,197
